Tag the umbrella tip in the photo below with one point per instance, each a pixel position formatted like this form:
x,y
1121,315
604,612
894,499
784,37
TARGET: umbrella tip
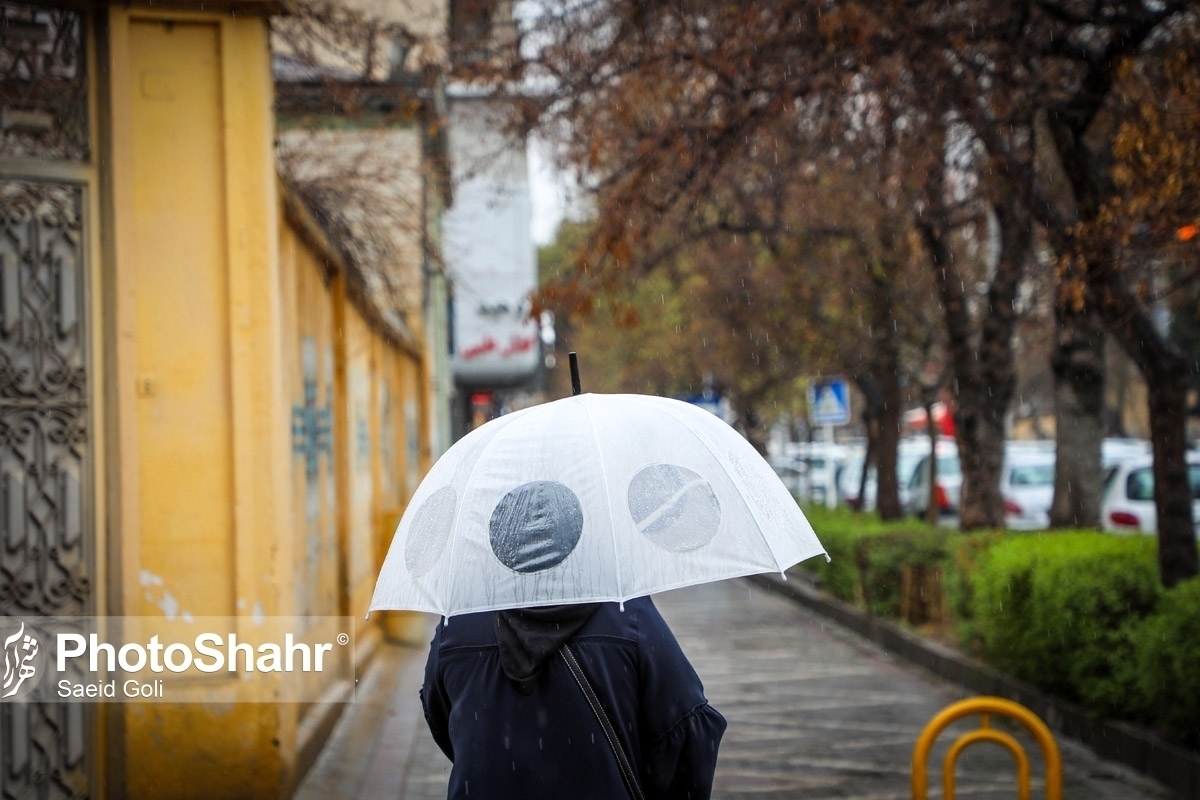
x,y
574,360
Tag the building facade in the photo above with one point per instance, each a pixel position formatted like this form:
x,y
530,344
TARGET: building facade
x,y
205,408
497,353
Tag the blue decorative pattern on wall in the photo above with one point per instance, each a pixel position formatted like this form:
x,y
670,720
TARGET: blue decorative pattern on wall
x,y
311,426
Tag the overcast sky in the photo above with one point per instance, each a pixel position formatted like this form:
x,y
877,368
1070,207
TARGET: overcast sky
x,y
548,190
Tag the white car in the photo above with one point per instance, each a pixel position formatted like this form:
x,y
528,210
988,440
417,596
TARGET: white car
x,y
1027,485
806,469
949,481
849,479
1127,505
908,455
816,474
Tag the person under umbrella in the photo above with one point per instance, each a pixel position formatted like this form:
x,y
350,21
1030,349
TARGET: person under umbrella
x,y
503,705
539,538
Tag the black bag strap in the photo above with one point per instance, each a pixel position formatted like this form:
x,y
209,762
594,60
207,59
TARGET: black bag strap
x,y
631,781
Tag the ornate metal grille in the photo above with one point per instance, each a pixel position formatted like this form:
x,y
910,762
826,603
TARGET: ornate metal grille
x,y
44,749
43,83
45,532
42,399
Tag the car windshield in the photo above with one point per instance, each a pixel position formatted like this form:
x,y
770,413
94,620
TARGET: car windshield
x,y
948,465
1140,483
1031,475
1109,475
905,464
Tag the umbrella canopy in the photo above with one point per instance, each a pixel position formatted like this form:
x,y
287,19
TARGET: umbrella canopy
x,y
590,498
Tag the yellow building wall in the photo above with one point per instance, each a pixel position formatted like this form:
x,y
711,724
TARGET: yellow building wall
x,y
308,291
361,436
268,430
418,456
183,381
387,489
202,425
409,434
309,344
357,426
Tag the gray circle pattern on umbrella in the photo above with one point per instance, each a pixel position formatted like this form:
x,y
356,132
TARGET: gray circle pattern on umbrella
x,y
536,526
430,531
674,507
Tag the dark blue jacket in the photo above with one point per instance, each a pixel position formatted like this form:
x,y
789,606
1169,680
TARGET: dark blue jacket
x,y
547,744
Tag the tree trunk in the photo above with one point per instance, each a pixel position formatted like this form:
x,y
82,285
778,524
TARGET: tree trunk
x,y
984,377
887,491
1078,364
864,379
869,458
1128,320
1177,553
886,368
932,508
1165,371
752,425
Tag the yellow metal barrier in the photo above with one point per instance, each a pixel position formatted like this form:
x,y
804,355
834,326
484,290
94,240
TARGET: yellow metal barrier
x,y
985,707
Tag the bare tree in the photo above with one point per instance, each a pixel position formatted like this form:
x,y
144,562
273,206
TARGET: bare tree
x,y
361,138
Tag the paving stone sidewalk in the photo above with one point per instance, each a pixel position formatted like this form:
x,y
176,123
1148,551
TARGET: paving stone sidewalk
x,y
814,712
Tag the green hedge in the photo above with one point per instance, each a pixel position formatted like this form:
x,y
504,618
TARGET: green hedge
x,y
1168,663
1062,611
839,532
1081,615
870,557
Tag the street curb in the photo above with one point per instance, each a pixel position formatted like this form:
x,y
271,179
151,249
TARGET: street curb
x,y
1135,747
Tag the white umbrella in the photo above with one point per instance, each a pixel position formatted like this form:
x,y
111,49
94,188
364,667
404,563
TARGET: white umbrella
x,y
590,498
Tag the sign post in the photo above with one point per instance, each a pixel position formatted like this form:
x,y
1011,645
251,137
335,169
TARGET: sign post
x,y
829,406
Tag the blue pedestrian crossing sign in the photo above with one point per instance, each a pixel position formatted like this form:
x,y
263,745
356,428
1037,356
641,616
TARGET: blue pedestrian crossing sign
x,y
829,402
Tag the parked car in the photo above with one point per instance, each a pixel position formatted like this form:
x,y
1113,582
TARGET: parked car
x,y
806,469
948,488
849,480
815,481
1127,505
908,454
1027,485
1027,478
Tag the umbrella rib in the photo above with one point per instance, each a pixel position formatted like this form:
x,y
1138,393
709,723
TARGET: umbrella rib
x,y
737,480
607,500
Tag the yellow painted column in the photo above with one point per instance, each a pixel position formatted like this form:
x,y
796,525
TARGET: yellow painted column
x,y
359,446
407,627
203,425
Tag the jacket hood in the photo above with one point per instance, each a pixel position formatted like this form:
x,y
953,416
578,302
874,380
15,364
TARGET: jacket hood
x,y
527,637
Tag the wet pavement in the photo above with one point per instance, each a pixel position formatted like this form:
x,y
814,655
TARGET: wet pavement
x,y
814,711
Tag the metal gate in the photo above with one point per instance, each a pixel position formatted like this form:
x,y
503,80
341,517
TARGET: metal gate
x,y
47,531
